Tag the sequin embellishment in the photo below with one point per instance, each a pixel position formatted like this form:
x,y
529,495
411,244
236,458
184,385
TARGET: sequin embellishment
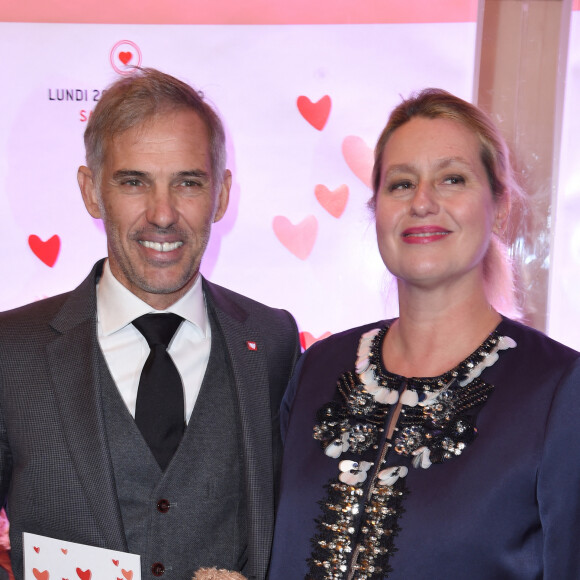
x,y
360,520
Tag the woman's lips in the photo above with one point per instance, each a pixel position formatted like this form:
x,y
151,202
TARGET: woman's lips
x,y
424,234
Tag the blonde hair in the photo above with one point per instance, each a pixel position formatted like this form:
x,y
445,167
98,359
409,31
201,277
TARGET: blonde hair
x,y
500,286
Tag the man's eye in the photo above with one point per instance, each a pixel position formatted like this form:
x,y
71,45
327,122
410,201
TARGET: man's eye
x,y
400,186
131,182
189,183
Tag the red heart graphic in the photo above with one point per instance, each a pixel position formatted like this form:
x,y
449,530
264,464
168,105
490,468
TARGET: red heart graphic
x,y
315,113
40,575
36,549
64,551
128,574
298,239
359,157
333,202
47,251
125,57
116,562
84,574
307,339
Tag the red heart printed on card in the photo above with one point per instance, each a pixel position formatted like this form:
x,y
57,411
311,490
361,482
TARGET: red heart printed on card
x,y
125,57
46,252
64,551
128,574
40,575
333,202
307,339
298,239
116,562
359,157
37,549
84,574
315,113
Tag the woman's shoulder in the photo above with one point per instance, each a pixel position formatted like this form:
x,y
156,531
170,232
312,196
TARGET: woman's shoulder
x,y
531,340
343,341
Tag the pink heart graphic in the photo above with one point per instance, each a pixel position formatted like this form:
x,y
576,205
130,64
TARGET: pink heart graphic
x,y
125,57
315,113
298,239
116,562
84,574
307,339
64,551
40,575
128,574
46,252
359,157
37,549
333,202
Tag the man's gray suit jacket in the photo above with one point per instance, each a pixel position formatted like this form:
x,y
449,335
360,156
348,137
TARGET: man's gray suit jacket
x,y
55,468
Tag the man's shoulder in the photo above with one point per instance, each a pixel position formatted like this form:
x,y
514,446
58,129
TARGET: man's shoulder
x,y
240,305
39,310
73,306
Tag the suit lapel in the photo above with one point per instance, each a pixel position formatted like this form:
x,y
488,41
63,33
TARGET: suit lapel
x,y
75,359
248,358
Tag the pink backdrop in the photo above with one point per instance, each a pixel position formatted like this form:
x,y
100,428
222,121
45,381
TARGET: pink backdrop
x,y
304,89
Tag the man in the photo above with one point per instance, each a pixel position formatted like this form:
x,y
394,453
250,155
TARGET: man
x,y
85,455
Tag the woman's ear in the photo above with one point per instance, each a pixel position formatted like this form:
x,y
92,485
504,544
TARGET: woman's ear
x,y
502,212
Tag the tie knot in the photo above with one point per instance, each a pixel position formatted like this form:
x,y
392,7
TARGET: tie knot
x,y
157,328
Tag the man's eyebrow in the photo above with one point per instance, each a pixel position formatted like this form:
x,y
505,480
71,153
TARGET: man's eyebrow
x,y
125,173
199,173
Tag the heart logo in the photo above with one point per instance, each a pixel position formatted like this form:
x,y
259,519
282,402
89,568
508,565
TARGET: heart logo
x,y
64,551
128,574
40,575
125,57
37,549
298,239
333,202
315,113
307,339
46,252
116,562
84,574
359,157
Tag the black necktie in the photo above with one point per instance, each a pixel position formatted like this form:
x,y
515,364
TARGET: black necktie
x,y
159,411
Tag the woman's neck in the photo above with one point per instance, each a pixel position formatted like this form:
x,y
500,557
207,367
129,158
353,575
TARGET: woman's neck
x,y
436,330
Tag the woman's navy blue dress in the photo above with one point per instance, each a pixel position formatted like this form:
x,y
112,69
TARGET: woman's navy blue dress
x,y
503,505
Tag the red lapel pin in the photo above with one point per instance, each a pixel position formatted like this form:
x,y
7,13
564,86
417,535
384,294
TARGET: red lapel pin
x,y
251,345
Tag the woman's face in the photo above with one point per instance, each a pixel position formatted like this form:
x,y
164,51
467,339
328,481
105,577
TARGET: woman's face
x,y
435,212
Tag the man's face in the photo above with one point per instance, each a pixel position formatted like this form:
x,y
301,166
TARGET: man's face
x,y
157,201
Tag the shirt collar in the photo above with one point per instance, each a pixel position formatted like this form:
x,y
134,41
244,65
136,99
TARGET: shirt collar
x,y
117,306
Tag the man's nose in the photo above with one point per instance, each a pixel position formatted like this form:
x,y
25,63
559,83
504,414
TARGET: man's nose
x,y
161,208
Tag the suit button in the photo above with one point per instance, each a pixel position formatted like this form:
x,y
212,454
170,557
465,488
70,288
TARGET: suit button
x,y
163,506
158,569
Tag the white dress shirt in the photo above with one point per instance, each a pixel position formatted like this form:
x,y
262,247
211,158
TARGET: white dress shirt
x,y
126,350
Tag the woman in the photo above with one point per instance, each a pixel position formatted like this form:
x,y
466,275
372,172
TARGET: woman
x,y
472,471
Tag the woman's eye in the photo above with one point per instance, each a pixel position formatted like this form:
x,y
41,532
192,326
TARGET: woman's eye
x,y
454,180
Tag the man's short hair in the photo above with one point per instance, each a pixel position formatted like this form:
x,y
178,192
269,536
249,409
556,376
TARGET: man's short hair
x,y
135,98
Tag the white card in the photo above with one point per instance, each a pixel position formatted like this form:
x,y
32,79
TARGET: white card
x,y
49,559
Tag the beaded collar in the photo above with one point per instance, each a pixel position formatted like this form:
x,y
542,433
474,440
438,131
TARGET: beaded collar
x,y
355,535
